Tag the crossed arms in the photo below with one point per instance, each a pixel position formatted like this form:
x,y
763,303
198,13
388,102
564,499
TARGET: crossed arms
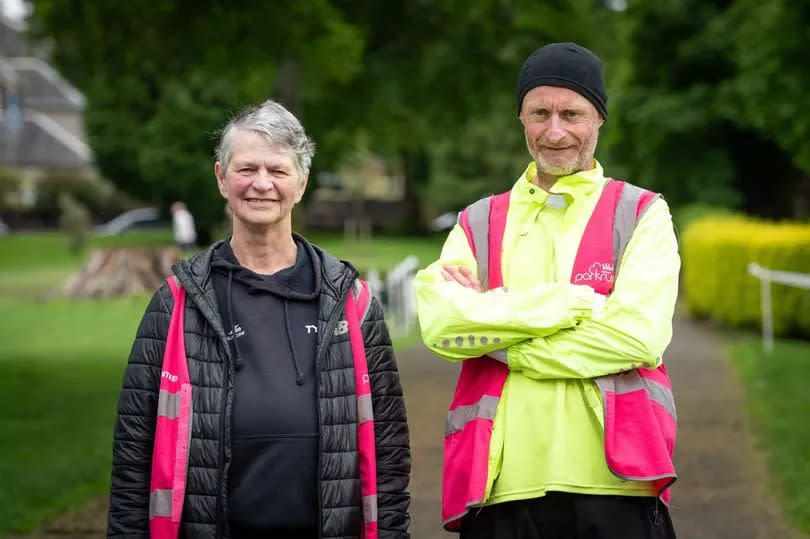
x,y
556,330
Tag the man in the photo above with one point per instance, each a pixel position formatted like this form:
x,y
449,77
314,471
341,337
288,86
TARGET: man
x,y
185,235
557,297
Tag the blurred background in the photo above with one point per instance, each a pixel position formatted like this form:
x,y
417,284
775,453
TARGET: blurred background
x,y
109,113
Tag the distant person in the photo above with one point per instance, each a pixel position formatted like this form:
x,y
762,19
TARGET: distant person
x,y
557,299
286,440
185,235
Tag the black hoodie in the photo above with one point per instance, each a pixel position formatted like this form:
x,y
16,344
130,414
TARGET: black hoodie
x,y
271,323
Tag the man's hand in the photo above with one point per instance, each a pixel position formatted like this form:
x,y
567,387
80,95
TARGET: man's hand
x,y
462,276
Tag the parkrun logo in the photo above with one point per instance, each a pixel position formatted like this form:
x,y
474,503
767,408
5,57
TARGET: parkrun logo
x,y
599,271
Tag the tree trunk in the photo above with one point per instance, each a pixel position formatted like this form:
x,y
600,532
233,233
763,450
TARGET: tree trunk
x,y
416,166
123,271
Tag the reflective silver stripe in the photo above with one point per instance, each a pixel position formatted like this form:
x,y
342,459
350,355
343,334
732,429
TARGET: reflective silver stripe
x,y
500,355
478,218
467,507
627,382
365,412
662,395
625,221
483,409
370,508
160,503
368,304
631,381
168,404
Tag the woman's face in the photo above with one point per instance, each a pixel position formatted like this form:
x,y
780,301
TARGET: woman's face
x,y
261,183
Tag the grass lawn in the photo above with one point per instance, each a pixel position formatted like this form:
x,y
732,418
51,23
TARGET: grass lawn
x,y
381,253
778,401
61,364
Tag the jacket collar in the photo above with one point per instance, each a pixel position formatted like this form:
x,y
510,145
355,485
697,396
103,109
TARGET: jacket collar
x,y
194,274
572,187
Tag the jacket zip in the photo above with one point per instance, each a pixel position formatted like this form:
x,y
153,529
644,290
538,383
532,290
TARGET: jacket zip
x,y
334,317
223,417
228,365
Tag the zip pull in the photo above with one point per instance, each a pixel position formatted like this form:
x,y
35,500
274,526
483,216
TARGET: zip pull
x,y
530,220
657,520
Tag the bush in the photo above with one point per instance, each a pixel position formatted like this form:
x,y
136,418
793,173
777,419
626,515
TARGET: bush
x,y
98,196
682,216
716,252
9,184
75,222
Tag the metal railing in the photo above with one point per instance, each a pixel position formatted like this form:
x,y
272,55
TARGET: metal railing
x,y
395,292
766,277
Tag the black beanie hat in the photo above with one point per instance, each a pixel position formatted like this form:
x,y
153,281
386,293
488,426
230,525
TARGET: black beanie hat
x,y
567,65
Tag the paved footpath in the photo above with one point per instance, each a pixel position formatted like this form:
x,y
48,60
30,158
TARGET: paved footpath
x,y
721,493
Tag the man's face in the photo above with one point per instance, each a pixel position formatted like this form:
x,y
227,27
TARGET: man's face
x,y
561,128
261,183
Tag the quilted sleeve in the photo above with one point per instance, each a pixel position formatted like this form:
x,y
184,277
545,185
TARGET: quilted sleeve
x,y
391,428
135,422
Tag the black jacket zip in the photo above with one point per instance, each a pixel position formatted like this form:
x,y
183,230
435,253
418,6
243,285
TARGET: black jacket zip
x,y
326,336
216,323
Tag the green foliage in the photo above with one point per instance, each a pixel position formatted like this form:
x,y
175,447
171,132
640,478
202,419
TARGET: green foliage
x,y
716,252
771,57
711,103
486,160
778,400
168,77
9,183
408,75
665,129
75,222
684,215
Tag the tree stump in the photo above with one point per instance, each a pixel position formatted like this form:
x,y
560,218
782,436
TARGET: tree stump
x,y
122,271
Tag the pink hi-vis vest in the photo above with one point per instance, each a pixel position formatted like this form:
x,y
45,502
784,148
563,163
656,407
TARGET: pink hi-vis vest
x,y
174,418
640,418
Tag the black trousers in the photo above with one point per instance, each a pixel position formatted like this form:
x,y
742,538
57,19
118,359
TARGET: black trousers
x,y
559,515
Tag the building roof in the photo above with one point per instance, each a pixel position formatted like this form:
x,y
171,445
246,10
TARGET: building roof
x,y
11,42
42,142
42,88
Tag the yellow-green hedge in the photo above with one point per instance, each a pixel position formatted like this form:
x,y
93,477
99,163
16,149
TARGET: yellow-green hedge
x,y
716,251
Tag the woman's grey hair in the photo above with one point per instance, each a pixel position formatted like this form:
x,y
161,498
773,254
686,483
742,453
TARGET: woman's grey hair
x,y
282,130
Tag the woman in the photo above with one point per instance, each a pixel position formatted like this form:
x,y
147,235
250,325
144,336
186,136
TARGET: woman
x,y
273,446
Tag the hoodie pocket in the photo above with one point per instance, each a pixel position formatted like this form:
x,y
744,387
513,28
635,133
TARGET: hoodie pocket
x,y
273,482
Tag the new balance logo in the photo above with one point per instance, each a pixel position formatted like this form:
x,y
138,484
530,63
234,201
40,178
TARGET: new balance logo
x,y
599,271
168,376
342,327
237,330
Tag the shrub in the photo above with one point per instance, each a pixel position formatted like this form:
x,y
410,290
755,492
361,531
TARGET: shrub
x,y
684,215
716,252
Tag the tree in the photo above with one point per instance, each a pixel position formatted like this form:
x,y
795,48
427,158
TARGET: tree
x,y
161,78
408,76
691,103
771,55
440,73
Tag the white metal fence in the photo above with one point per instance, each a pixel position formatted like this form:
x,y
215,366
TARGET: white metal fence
x,y
766,277
396,294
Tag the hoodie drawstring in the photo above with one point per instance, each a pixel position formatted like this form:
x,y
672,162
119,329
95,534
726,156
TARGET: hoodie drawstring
x,y
239,361
300,376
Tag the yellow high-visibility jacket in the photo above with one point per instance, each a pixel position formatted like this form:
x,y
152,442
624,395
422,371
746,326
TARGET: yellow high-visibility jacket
x,y
548,433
